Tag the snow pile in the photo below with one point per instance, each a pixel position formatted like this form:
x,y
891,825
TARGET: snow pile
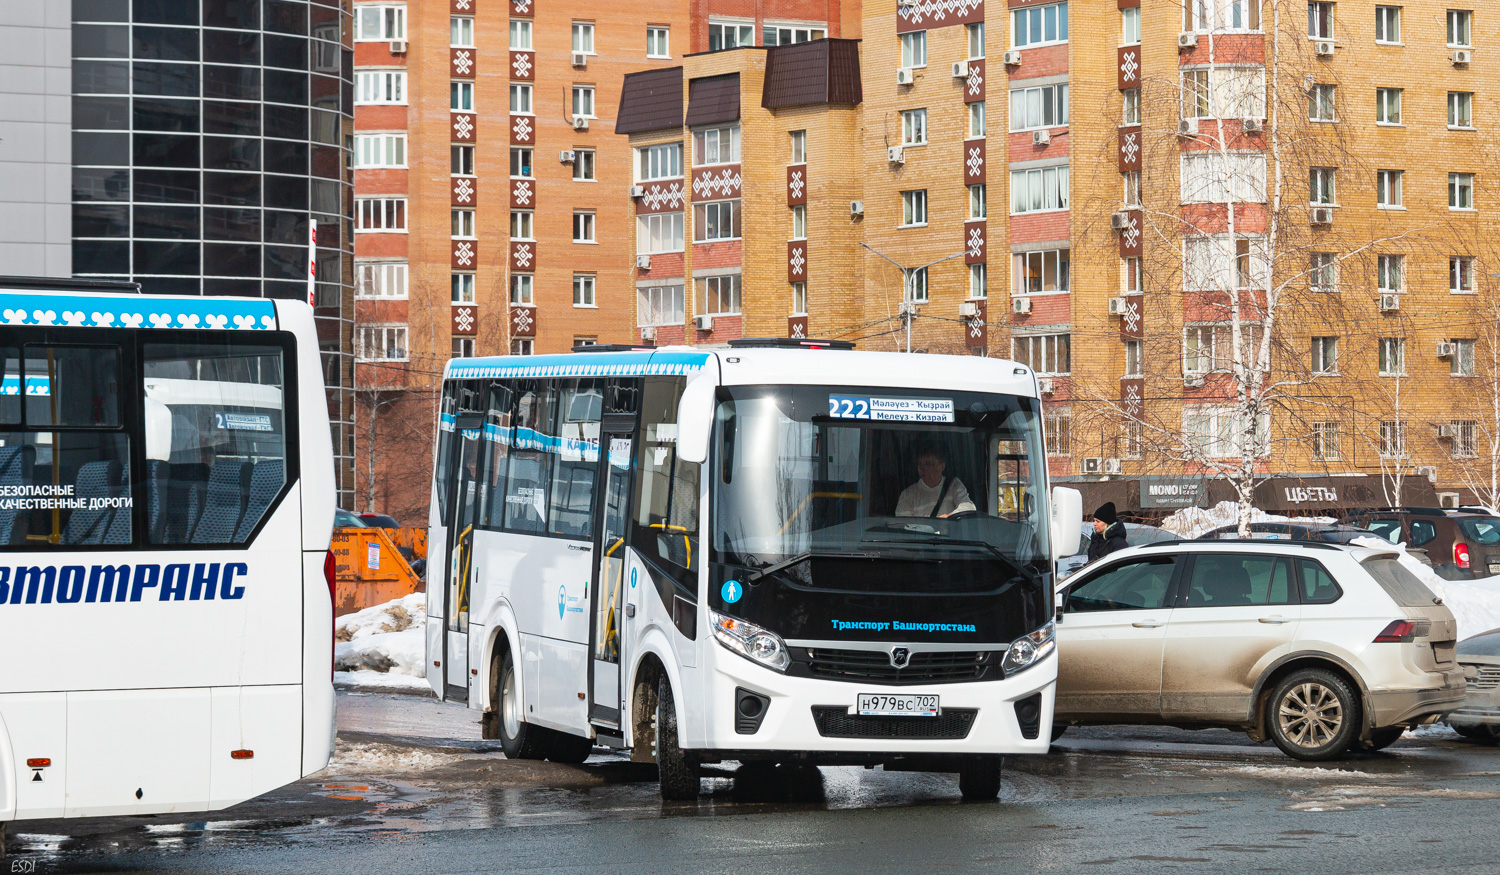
x,y
390,638
1475,603
1190,522
360,758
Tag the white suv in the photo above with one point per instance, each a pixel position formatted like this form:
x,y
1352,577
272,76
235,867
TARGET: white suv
x,y
1319,647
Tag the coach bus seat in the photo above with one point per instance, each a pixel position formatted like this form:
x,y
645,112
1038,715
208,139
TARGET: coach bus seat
x,y
158,478
223,503
185,486
266,479
15,466
103,525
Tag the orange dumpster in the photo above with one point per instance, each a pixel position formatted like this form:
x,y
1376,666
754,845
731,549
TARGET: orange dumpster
x,y
370,568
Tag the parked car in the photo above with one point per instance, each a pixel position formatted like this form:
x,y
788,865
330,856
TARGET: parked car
x,y
1331,533
1479,716
346,519
1458,545
1135,535
1318,647
380,520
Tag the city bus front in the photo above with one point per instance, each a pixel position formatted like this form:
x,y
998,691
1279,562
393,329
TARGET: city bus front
x,y
878,580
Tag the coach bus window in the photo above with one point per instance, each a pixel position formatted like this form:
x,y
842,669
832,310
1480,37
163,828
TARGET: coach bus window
x,y
73,386
446,439
531,459
497,442
577,459
10,386
667,489
216,454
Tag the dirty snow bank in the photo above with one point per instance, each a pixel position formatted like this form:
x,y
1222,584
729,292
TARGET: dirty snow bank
x,y
357,758
365,678
1190,522
389,638
1475,603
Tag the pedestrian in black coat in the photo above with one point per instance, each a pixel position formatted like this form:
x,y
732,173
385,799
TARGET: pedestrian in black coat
x,y
1109,532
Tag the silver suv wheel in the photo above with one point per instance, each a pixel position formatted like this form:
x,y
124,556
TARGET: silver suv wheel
x,y
1313,714
1310,715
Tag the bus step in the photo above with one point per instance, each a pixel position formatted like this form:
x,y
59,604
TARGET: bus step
x,y
609,737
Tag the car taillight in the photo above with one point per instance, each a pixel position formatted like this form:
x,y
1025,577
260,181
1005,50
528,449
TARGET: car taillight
x,y
1461,554
1396,632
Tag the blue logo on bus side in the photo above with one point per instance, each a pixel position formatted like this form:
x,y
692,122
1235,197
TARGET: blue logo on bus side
x,y
632,578
562,601
732,591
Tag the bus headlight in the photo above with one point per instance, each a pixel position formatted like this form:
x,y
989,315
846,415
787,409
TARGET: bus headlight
x,y
1028,650
750,641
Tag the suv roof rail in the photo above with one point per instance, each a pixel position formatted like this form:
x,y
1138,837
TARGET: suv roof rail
x,y
1423,511
614,347
788,343
1295,542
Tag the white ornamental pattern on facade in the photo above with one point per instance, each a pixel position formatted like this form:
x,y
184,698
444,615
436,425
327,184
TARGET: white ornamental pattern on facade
x,y
1132,233
522,66
658,196
798,260
463,62
798,331
1129,65
1132,400
723,185
795,184
521,194
976,327
521,7
522,320
1130,146
935,11
95,319
521,126
463,319
1133,314
976,81
463,253
976,241
463,190
975,161
463,126
522,254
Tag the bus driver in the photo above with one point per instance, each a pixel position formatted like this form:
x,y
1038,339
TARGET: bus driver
x,y
933,495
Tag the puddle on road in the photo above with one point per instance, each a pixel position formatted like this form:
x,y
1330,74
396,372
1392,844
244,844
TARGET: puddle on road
x,y
1364,796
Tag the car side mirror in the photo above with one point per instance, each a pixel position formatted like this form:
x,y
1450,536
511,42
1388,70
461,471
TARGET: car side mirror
x,y
695,418
1060,598
1067,520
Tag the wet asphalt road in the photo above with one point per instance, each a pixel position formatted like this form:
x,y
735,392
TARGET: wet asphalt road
x,y
413,789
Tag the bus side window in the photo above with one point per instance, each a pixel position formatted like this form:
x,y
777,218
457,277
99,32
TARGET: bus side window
x,y
577,461
666,522
496,443
528,481
446,450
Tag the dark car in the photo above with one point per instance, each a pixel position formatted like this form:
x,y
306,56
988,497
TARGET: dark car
x,y
1329,533
1458,546
346,519
1135,534
380,521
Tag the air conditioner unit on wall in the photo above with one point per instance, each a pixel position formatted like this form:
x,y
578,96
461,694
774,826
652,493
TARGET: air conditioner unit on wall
x,y
903,76
1447,499
1013,58
1117,306
1462,57
1251,125
968,308
1188,127
1324,48
1192,381
398,46
895,154
637,191
1020,306
643,262
580,59
580,124
1187,39
1113,466
1041,138
1045,386
1390,302
1092,465
567,156
648,333
856,209
1119,221
1446,350
960,69
703,323
1447,431
1322,216
1428,471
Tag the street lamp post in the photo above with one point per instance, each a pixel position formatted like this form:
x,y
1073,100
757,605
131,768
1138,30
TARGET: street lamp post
x,y
908,305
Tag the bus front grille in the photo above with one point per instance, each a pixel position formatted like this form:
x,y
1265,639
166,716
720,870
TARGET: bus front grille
x,y
875,666
836,722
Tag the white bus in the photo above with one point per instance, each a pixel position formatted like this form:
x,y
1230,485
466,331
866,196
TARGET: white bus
x,y
166,503
808,555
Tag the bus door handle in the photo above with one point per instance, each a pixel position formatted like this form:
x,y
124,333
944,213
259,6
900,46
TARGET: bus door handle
x,y
1146,624
630,610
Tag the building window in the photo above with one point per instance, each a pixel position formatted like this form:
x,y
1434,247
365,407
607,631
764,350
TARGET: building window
x,y
380,279
799,222
521,287
461,31
914,49
583,290
583,227
1130,26
1044,107
1391,273
718,295
1323,272
978,201
1320,183
583,165
659,232
1388,106
1130,275
378,23
380,214
461,160
583,101
1388,188
975,34
979,281
1218,263
1133,358
579,340
1388,24
1224,92
799,147
914,127
1320,103
1325,441
1041,189
1047,354
1214,432
786,34
1132,442
373,87
583,37
1059,432
976,119
1462,362
659,305
463,224
1209,15
1460,191
461,96
1465,438
1130,103
520,34
1460,109
1039,25
463,347
658,41
659,162
1461,274
914,207
716,220
1392,357
521,225
1196,101
463,288
522,346
1458,28
916,291
1198,347
1393,439
799,299
1320,19
1045,270
1325,356
520,98
381,343
520,161
716,146
729,35
379,150
1130,185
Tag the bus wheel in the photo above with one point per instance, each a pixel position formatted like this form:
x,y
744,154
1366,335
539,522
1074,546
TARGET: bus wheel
x,y
564,747
519,739
678,769
979,778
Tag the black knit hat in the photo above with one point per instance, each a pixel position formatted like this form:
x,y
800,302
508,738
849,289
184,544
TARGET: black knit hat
x,y
1106,513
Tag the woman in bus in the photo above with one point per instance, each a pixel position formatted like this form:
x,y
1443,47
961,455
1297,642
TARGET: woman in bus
x,y
933,495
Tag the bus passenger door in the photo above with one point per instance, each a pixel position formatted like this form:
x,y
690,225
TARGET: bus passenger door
x,y
610,582
460,564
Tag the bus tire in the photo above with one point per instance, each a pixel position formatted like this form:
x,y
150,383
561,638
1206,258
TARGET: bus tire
x,y
979,778
678,770
519,739
565,747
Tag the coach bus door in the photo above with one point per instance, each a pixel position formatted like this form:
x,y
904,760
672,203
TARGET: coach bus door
x,y
460,553
610,576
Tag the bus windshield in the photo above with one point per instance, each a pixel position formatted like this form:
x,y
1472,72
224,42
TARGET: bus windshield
x,y
807,476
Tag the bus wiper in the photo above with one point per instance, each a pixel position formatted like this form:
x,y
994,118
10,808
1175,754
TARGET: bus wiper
x,y
803,557
1021,571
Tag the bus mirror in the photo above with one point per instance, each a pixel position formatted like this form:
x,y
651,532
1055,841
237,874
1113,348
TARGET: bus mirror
x,y
1067,520
695,419
158,431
